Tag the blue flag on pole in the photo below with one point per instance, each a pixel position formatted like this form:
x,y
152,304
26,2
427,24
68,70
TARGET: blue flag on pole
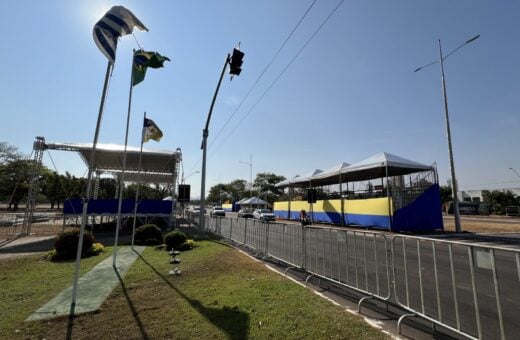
x,y
118,21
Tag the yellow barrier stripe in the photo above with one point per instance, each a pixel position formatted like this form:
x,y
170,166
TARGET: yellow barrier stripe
x,y
371,206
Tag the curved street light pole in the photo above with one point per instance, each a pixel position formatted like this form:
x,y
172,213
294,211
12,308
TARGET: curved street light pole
x,y
454,186
250,174
516,173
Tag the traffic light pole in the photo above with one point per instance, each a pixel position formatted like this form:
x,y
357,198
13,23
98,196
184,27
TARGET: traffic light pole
x,y
205,134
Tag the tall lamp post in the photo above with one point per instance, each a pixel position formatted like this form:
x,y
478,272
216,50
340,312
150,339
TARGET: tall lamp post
x,y
454,186
250,174
191,173
516,173
235,63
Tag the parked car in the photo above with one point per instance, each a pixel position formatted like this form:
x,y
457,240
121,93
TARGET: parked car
x,y
245,213
217,211
264,215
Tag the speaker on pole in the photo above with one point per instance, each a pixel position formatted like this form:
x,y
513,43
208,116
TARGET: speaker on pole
x,y
311,195
184,193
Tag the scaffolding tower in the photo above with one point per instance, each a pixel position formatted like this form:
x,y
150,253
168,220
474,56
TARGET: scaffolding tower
x,y
38,149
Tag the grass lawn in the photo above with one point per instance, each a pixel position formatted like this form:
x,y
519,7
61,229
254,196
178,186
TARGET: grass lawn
x,y
221,294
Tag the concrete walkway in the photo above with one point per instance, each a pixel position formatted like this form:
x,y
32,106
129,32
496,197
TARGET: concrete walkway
x,y
94,287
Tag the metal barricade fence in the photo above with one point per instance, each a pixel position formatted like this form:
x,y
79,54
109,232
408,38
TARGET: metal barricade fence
x,y
285,243
457,285
356,259
470,289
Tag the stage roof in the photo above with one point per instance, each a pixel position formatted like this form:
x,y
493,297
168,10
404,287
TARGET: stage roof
x,y
157,166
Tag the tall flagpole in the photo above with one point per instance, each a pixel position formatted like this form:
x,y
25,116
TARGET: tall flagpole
x,y
138,183
91,168
121,185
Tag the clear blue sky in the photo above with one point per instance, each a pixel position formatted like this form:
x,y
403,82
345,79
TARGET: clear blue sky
x,y
350,94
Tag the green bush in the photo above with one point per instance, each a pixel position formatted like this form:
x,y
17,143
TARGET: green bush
x,y
189,244
96,249
175,239
148,234
66,245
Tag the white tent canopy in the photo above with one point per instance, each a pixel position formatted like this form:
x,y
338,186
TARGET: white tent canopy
x,y
254,201
380,165
330,176
305,179
287,181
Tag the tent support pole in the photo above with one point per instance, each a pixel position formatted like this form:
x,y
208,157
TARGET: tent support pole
x,y
389,200
341,200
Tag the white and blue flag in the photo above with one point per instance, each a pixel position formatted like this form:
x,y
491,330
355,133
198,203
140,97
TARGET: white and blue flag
x,y
118,21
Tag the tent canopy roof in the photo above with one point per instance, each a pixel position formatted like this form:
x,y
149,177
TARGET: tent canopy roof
x,y
305,179
378,166
381,165
254,201
157,166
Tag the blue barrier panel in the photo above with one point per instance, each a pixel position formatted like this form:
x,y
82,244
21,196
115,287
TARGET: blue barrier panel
x,y
423,214
109,207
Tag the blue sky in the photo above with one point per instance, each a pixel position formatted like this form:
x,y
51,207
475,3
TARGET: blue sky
x,y
351,92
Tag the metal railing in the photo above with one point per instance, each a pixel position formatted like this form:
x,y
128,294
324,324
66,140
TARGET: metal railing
x,y
459,286
470,289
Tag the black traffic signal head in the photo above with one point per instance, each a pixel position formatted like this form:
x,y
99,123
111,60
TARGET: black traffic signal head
x,y
236,62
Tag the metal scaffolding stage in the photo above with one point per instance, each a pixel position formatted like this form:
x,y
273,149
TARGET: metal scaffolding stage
x,y
156,166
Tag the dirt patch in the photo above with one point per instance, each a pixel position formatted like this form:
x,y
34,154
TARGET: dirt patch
x,y
484,224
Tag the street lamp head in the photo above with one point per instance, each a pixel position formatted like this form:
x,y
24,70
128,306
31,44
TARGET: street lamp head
x,y
473,39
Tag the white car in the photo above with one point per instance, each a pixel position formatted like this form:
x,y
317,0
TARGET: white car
x,y
264,215
217,211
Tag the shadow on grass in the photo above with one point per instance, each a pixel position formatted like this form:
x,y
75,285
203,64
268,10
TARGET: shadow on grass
x,y
132,308
232,321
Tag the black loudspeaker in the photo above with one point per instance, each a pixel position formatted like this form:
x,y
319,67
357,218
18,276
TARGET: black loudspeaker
x,y
311,195
184,192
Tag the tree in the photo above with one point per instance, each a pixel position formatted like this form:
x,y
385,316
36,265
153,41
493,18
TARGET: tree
x,y
15,177
145,192
498,200
265,184
217,192
8,153
238,189
51,186
446,194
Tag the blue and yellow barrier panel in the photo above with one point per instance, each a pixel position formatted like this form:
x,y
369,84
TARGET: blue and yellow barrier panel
x,y
367,212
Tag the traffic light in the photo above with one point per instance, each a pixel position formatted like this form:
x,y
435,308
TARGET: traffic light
x,y
236,62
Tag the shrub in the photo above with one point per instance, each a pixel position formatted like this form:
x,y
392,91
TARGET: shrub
x,y
66,245
174,239
189,244
96,249
148,234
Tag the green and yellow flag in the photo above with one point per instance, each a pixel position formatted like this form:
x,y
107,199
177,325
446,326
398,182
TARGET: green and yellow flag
x,y
143,60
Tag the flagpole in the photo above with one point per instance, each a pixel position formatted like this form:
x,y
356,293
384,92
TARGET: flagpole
x,y
121,186
91,167
138,183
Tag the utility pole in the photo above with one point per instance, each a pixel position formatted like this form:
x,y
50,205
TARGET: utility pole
x,y
454,186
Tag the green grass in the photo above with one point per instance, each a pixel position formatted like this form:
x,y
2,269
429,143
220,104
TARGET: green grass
x,y
29,282
221,294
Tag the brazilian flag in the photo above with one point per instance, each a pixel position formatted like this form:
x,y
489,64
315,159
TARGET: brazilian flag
x,y
143,60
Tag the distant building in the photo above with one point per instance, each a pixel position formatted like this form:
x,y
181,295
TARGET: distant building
x,y
475,195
